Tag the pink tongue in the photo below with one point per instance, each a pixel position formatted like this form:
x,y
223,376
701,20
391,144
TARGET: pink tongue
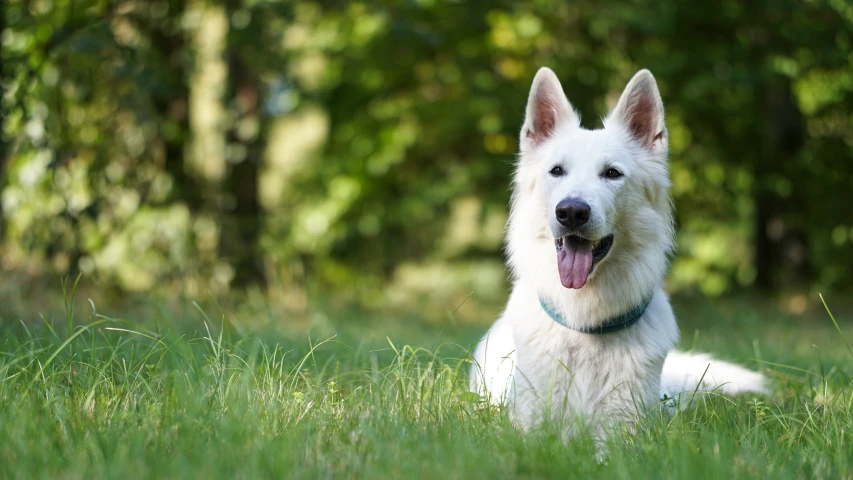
x,y
575,262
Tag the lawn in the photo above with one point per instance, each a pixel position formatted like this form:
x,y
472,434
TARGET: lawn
x,y
154,390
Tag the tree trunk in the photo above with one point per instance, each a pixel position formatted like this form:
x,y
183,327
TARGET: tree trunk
x,y
242,227
3,143
205,159
764,246
774,228
173,106
208,83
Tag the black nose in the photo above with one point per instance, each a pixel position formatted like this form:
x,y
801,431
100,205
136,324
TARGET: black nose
x,y
572,213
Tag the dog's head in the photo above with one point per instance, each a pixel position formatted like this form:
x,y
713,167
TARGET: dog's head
x,y
603,193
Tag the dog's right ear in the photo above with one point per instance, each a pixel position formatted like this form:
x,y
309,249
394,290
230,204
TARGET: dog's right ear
x,y
547,108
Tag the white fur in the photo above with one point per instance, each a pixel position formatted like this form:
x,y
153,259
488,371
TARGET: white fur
x,y
682,372
541,368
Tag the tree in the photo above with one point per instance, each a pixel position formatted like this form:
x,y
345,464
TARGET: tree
x,y
4,82
347,143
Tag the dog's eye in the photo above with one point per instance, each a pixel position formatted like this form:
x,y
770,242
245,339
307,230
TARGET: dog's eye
x,y
611,173
557,171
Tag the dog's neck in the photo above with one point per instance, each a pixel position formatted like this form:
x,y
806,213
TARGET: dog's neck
x,y
608,325
615,288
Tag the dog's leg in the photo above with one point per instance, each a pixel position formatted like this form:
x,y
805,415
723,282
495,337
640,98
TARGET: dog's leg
x,y
494,364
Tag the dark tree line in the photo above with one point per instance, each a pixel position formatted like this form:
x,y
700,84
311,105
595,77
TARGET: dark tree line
x,y
209,144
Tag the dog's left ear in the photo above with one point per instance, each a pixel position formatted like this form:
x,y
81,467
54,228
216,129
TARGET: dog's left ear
x,y
640,111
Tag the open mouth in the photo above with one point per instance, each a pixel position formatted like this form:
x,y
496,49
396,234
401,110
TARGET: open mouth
x,y
576,256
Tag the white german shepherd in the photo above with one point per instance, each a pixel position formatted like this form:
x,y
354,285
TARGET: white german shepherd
x,y
588,329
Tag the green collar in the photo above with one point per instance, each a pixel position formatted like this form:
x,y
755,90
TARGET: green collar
x,y
610,325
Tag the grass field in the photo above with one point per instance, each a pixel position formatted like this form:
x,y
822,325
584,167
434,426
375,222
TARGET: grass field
x,y
162,392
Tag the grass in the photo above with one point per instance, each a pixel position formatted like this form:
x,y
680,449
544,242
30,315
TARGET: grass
x,y
89,395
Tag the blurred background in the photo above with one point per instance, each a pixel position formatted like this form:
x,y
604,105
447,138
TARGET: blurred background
x,y
362,151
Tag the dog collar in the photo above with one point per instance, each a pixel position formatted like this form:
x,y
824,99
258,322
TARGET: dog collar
x,y
610,325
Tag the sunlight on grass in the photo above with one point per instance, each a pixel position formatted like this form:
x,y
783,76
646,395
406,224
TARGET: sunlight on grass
x,y
116,398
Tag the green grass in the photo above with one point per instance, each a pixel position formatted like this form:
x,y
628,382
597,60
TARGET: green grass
x,y
177,392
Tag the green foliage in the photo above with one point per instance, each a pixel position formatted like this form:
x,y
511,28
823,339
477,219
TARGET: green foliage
x,y
368,142
115,397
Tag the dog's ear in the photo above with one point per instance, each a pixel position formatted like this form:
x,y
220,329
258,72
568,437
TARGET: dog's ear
x,y
547,108
640,111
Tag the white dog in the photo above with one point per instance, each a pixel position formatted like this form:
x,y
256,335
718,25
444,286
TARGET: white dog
x,y
588,328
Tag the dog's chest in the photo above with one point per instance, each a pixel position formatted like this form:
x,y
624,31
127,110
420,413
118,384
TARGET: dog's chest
x,y
587,374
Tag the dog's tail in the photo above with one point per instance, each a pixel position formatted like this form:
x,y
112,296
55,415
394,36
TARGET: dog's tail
x,y
683,372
